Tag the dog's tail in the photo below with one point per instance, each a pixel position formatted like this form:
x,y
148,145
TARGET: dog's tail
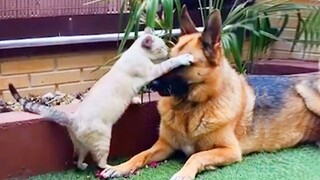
x,y
49,113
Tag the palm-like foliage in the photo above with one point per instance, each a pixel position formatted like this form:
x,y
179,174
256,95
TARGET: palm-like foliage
x,y
256,20
242,24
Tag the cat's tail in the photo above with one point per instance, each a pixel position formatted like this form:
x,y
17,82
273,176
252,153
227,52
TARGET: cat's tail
x,y
49,113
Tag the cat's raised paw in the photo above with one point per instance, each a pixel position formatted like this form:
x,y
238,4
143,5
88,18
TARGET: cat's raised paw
x,y
186,59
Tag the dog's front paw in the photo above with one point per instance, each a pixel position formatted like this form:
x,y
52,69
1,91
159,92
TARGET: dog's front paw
x,y
116,171
183,175
186,59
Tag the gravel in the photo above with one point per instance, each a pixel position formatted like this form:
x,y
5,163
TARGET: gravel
x,y
49,99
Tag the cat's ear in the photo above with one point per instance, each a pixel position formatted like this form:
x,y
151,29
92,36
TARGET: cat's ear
x,y
147,42
148,30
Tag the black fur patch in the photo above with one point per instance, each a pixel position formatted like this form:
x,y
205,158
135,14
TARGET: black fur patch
x,y
270,91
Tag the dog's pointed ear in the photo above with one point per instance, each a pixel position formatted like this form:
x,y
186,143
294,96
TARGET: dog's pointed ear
x,y
187,26
211,35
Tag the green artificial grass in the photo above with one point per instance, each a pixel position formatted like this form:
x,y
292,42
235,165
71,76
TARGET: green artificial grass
x,y
300,163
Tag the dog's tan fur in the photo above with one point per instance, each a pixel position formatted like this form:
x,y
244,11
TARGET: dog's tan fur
x,y
216,122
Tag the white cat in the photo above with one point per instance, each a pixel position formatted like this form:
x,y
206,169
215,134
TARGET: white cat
x,y
91,124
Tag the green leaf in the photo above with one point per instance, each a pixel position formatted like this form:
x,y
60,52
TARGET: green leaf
x,y
136,11
178,6
220,4
299,31
151,10
244,26
284,24
168,15
242,23
237,55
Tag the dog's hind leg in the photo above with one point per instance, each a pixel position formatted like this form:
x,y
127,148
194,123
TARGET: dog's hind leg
x,y
310,95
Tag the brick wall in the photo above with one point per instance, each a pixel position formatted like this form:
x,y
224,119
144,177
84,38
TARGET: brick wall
x,y
66,72
282,50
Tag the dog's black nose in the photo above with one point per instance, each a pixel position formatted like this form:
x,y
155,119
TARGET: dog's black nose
x,y
160,87
154,85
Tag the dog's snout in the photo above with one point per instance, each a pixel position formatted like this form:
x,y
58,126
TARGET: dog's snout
x,y
160,87
154,85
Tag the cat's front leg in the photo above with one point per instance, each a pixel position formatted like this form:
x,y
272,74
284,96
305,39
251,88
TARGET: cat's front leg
x,y
184,60
168,65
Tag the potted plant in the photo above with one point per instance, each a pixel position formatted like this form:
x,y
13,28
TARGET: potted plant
x,y
244,21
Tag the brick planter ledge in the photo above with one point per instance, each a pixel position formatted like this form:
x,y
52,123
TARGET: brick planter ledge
x,y
30,145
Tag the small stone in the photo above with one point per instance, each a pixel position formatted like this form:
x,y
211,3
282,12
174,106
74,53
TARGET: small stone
x,y
2,102
9,102
47,97
58,93
75,101
84,95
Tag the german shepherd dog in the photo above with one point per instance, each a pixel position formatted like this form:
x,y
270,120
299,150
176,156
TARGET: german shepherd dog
x,y
215,115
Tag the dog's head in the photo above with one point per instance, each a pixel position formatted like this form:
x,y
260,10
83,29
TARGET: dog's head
x,y
191,82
